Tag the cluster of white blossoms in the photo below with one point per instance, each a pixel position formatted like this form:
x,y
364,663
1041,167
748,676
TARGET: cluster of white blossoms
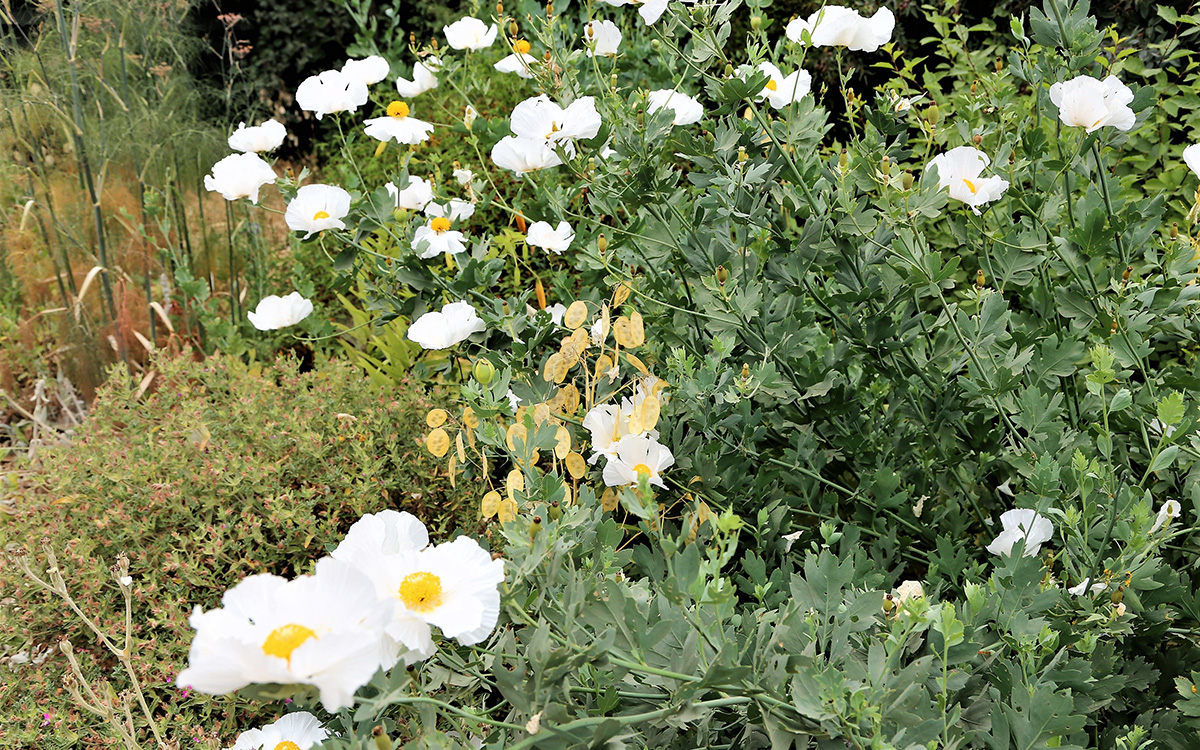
x,y
540,127
619,433
372,603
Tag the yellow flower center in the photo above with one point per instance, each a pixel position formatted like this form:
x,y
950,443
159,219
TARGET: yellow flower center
x,y
282,641
397,109
522,47
970,186
287,745
440,224
772,86
421,591
320,215
643,469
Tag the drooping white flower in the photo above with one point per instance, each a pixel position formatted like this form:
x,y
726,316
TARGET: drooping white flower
x,y
523,155
836,26
265,137
398,126
1191,157
520,61
1169,510
325,630
601,38
279,312
782,90
539,117
369,70
436,238
470,33
239,176
455,210
551,239
317,208
1019,524
1082,588
424,78
464,176
638,455
298,731
443,329
687,110
470,114
415,197
959,169
331,91
1088,103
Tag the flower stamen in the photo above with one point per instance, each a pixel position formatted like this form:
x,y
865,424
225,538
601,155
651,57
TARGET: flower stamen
x,y
421,591
285,639
397,109
440,224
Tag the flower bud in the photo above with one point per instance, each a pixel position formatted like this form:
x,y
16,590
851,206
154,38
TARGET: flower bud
x,y
844,160
907,180
535,527
412,39
722,275
745,371
1175,230
756,22
977,139
513,29
549,9
728,70
520,220
742,155
601,244
612,80
591,33
655,45
933,114
382,741
484,371
434,43
885,166
540,292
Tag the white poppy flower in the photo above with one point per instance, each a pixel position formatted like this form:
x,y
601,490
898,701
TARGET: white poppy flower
x,y
300,731
325,630
398,126
601,38
523,155
279,312
436,238
1082,588
265,137
835,26
959,169
519,62
1191,157
369,70
1020,524
464,176
638,455
331,91
539,117
782,90
239,176
317,208
442,330
687,110
608,424
423,78
455,210
1169,510
551,239
1085,102
652,10
470,33
415,197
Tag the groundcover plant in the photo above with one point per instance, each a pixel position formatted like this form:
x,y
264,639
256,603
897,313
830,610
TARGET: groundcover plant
x,y
887,441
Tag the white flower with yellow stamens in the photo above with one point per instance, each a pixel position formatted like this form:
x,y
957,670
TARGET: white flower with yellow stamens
x,y
442,329
265,137
523,155
415,197
601,38
398,126
637,456
331,91
436,238
539,117
470,33
519,62
782,90
455,210
687,110
959,169
463,176
317,208
298,731
451,586
1091,104
1170,509
239,176
325,630
551,239
424,78
369,70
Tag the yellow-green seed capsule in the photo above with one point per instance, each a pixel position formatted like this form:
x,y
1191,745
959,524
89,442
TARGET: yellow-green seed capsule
x,y
382,741
756,22
513,29
722,275
1175,230
932,114
655,45
535,527
742,155
885,166
601,244
907,180
844,160
485,371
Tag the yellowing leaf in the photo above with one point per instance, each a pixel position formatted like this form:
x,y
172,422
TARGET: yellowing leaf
x,y
576,466
438,442
436,417
576,315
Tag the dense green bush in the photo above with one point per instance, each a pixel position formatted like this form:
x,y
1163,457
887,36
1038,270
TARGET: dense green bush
x,y
224,470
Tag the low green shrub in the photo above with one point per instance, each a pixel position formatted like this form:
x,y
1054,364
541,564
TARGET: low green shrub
x,y
225,470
